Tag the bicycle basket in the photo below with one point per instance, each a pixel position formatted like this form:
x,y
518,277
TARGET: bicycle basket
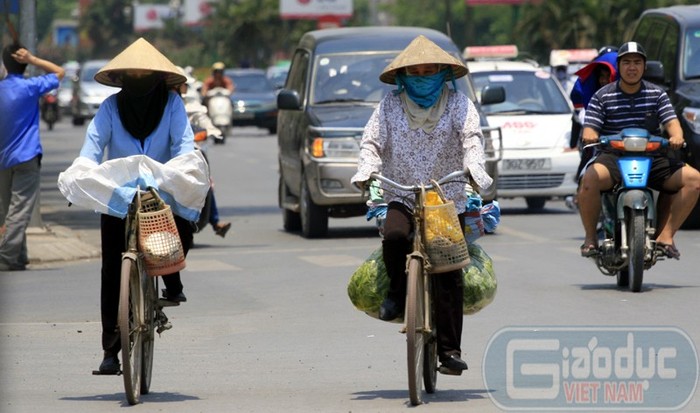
x,y
159,240
442,234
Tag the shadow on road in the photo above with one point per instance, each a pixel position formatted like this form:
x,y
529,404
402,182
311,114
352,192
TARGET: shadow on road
x,y
438,396
613,286
152,397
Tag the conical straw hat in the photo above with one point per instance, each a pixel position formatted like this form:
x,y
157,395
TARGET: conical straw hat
x,y
139,55
420,51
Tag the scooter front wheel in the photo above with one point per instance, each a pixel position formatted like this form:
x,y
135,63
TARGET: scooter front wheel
x,y
636,235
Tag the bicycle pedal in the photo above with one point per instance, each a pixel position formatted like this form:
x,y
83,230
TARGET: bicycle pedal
x,y
450,372
163,327
167,303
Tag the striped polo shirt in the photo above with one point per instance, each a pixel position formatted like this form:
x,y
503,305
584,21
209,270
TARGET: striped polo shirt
x,y
611,110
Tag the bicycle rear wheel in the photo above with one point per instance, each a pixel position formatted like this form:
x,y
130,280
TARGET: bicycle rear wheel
x,y
131,316
150,288
414,328
430,359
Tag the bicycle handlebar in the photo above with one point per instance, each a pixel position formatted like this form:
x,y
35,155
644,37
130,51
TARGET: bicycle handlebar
x,y
415,188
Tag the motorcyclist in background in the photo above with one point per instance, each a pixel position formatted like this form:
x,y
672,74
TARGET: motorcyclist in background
x,y
199,119
598,73
217,79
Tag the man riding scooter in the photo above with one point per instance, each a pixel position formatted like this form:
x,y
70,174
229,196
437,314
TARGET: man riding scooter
x,y
217,90
631,102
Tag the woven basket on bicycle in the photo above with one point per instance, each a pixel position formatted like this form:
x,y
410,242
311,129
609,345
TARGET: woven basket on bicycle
x,y
443,237
159,240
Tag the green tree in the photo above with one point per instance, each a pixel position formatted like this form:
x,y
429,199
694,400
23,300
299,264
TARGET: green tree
x,y
250,32
107,27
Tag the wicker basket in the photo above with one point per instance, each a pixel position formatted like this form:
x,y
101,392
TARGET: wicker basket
x,y
159,240
442,235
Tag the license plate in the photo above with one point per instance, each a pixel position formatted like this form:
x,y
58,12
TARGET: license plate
x,y
244,115
527,164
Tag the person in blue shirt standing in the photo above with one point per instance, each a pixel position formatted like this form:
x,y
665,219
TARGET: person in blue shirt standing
x,y
20,148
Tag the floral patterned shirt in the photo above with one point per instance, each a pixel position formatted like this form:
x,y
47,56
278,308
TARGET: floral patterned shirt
x,y
412,156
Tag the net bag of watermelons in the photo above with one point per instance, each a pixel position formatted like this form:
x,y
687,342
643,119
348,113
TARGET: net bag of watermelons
x,y
369,284
480,282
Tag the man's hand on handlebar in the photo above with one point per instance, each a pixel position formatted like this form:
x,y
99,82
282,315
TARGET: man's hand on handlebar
x,y
676,142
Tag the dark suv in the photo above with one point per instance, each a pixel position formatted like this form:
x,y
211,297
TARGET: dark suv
x,y
331,91
671,38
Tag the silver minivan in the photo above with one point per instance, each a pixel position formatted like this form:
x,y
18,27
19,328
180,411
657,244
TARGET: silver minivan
x,y
88,95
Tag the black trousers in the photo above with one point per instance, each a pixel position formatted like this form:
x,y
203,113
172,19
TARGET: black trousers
x,y
449,286
113,245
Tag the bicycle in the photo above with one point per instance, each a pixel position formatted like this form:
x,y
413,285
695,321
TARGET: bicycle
x,y
419,325
140,313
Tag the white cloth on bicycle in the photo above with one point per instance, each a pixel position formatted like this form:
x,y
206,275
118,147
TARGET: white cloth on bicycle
x,y
110,187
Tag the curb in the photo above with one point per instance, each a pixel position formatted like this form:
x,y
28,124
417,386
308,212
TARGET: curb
x,y
53,243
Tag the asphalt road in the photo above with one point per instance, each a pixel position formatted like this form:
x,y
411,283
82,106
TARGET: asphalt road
x,y
269,328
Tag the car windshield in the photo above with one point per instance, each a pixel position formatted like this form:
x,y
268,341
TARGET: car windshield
x,y
349,77
691,69
526,92
252,82
354,77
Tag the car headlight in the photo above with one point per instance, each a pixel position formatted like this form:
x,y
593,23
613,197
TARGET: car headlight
x,y
335,148
692,115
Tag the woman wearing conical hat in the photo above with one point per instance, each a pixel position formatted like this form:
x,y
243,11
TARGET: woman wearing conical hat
x,y
423,130
145,118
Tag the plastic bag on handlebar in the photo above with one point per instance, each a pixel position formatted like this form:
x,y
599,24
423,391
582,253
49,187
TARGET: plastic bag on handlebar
x,y
369,284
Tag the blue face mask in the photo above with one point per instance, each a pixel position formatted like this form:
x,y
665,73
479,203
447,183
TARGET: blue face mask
x,y
424,90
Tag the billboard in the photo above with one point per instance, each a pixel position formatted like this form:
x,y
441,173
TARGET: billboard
x,y
9,6
150,16
194,11
313,9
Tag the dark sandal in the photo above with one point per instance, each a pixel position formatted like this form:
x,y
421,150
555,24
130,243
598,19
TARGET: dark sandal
x,y
668,250
589,250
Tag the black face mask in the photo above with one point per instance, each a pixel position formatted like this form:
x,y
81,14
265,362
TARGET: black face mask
x,y
141,103
140,86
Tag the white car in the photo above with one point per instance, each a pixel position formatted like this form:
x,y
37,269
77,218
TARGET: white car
x,y
535,122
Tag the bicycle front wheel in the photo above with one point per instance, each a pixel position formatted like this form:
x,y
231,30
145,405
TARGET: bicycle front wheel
x,y
414,328
150,288
131,316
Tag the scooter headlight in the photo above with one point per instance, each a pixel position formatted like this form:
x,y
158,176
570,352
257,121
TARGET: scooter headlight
x,y
633,144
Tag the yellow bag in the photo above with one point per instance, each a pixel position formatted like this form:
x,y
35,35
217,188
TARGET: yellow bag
x,y
443,237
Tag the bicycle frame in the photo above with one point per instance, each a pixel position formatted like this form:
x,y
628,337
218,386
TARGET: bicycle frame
x,y
140,310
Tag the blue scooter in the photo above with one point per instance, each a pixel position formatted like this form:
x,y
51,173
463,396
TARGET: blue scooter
x,y
628,218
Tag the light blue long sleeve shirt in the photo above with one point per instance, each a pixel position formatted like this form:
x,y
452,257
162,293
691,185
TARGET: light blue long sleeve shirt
x,y
107,139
